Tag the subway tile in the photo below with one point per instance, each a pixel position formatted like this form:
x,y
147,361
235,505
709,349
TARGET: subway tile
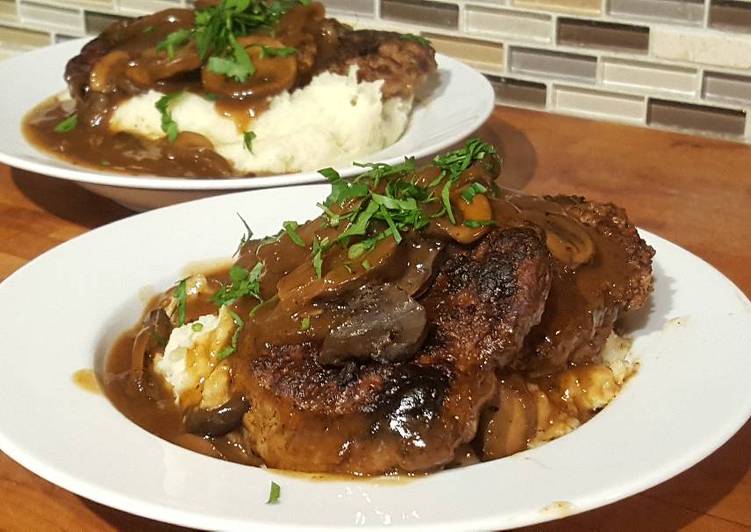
x,y
604,35
507,23
20,40
575,7
61,37
46,15
711,48
483,55
645,77
8,10
599,104
670,11
361,7
96,22
727,88
696,117
730,15
423,13
145,7
552,64
519,92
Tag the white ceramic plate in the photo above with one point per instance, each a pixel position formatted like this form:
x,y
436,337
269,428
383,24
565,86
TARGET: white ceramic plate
x,y
62,311
458,105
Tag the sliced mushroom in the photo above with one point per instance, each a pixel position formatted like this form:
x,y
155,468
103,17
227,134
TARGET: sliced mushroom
x,y
218,421
383,323
421,256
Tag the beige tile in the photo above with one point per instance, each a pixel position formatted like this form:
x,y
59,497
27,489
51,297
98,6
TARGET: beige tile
x,y
551,64
708,47
519,92
144,7
15,39
420,12
364,7
579,7
58,18
648,77
599,104
507,23
670,11
696,117
7,10
483,55
603,35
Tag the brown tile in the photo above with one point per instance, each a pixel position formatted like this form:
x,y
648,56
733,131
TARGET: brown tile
x,y
423,13
578,7
576,32
516,91
552,64
729,14
726,87
682,11
8,10
696,117
483,55
97,22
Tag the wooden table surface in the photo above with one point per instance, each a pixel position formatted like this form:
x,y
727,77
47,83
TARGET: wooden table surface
x,y
693,191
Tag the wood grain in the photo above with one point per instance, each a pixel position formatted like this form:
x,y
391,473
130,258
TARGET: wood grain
x,y
693,191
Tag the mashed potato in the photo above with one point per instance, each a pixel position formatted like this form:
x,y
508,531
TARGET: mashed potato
x,y
334,119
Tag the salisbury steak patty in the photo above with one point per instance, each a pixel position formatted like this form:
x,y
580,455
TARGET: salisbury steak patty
x,y
373,417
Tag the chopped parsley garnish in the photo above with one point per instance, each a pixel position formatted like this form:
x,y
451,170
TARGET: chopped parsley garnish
x,y
417,38
67,125
274,493
174,40
248,138
228,350
246,237
469,193
243,283
181,295
270,51
319,248
366,264
197,327
474,224
148,29
237,66
305,324
169,126
217,28
291,229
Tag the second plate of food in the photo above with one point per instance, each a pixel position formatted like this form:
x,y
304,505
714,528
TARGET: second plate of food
x,y
374,97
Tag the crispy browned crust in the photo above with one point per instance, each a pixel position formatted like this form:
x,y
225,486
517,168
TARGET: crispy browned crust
x,y
412,416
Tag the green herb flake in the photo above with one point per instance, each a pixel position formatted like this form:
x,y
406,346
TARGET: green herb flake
x,y
319,249
416,38
267,51
67,125
174,40
274,493
148,29
366,264
230,349
474,224
291,229
169,126
248,138
239,67
245,238
181,295
242,283
469,193
305,324
197,327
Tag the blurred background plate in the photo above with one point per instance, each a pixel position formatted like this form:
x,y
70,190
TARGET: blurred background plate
x,y
460,102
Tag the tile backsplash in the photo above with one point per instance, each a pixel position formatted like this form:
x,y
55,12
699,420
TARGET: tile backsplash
x,y
677,64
